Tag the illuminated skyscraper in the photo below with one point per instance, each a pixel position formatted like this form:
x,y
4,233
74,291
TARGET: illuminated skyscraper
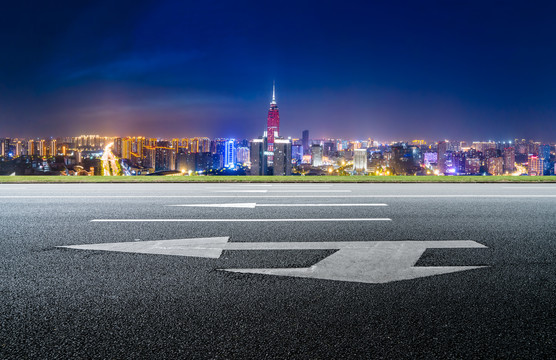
x,y
495,165
53,147
243,155
31,147
442,156
273,121
230,154
316,155
406,159
42,148
536,165
360,159
258,156
282,157
18,149
509,159
5,150
305,142
544,153
126,148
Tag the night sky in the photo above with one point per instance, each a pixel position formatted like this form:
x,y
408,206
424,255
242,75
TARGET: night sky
x,y
389,70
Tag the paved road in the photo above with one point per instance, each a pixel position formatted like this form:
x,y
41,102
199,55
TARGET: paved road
x,y
75,303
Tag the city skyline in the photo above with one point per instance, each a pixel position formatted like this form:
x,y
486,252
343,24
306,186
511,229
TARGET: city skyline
x,y
397,70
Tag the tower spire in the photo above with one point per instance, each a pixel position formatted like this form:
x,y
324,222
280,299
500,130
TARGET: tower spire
x,y
273,92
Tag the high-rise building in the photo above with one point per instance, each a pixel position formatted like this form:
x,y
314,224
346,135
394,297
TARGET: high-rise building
x,y
5,148
203,161
329,148
483,146
242,155
273,121
140,148
42,148
258,156
200,144
126,148
544,153
406,159
185,161
282,157
19,149
509,159
31,148
536,165
150,153
117,147
185,143
360,159
472,165
305,142
316,155
495,165
442,151
53,147
297,153
230,154
165,158
175,145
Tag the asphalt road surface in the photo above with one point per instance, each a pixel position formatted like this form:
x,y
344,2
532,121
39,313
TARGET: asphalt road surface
x,y
278,271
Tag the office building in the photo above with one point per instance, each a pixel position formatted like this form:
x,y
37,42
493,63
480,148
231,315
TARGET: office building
x,y
282,157
126,148
5,148
360,159
243,155
258,156
495,165
316,155
305,142
53,147
42,148
536,165
472,165
297,153
442,151
406,159
230,154
509,160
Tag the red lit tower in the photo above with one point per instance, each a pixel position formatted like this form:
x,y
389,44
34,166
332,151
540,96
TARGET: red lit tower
x,y
273,121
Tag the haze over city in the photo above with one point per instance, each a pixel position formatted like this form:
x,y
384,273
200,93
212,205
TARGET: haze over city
x,y
393,70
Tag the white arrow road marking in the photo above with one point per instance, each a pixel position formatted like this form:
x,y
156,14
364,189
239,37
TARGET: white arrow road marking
x,y
372,262
199,247
253,205
239,220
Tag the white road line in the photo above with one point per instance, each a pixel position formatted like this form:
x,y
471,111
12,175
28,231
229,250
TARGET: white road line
x,y
296,185
240,191
480,196
265,185
12,188
253,205
241,220
529,187
282,191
